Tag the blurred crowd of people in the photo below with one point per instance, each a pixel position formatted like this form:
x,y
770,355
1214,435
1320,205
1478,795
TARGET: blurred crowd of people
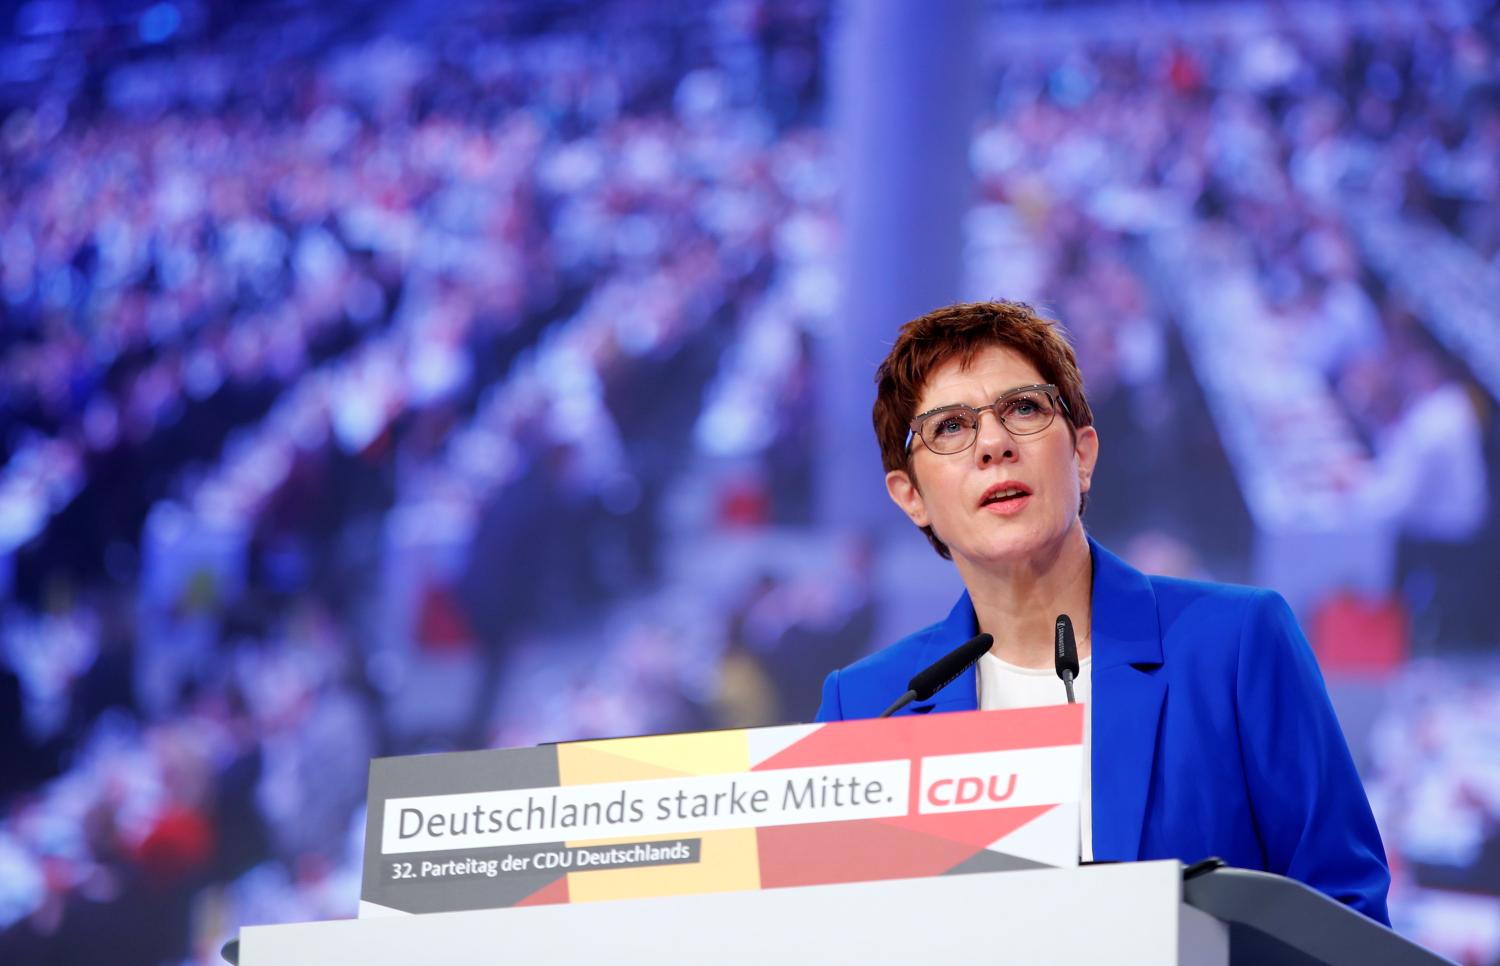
x,y
260,303
1227,181
428,380
1273,238
1435,785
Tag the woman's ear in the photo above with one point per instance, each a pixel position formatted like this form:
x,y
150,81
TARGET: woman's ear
x,y
904,493
1086,448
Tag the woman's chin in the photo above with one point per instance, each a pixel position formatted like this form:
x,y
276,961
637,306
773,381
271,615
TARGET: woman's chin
x,y
1015,550
1006,555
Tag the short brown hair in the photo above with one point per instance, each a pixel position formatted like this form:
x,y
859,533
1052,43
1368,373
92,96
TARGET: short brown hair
x,y
961,332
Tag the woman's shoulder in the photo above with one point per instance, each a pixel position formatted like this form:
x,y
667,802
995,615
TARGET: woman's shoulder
x,y
862,689
1206,618
1182,593
1174,607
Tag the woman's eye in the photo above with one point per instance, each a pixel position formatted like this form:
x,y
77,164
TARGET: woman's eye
x,y
950,425
1025,408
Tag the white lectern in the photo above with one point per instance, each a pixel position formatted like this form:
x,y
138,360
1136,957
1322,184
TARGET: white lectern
x,y
744,846
1131,913
1126,913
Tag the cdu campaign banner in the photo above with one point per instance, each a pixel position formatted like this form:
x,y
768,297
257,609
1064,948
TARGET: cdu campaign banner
x,y
761,808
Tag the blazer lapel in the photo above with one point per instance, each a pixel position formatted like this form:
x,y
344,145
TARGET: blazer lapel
x,y
1128,695
963,693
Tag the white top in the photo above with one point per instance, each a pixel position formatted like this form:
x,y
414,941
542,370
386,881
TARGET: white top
x,y
1004,685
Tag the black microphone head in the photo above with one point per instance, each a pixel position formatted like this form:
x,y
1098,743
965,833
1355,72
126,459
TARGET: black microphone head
x,y
938,675
1065,646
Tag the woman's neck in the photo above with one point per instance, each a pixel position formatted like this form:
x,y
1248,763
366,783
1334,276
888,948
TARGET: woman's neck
x,y
1019,606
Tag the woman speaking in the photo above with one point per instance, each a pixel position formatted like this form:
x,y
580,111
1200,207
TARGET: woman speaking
x,y
1208,729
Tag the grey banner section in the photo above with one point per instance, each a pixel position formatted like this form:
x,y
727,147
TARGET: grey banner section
x,y
453,773
498,877
987,861
450,882
535,863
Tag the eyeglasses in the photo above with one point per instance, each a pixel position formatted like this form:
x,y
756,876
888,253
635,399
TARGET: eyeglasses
x,y
953,429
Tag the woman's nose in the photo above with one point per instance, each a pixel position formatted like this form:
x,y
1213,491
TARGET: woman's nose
x,y
994,441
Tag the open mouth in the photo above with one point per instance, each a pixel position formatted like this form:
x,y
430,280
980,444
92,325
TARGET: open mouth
x,y
1008,493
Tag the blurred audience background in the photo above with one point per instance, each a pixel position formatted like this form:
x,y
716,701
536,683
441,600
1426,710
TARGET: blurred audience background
x,y
391,378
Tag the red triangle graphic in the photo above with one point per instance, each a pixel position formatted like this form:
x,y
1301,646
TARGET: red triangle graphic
x,y
793,855
914,736
973,829
552,893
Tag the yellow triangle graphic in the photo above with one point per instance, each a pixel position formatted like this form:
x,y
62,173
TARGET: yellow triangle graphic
x,y
660,756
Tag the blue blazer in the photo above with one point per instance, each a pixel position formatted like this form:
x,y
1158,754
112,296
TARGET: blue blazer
x,y
1213,734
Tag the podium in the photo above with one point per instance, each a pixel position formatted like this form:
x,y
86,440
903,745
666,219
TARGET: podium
x,y
1140,912
950,838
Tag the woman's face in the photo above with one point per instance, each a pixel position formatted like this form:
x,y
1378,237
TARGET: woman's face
x,y
1007,499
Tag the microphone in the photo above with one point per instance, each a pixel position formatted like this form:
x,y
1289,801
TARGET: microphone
x,y
940,673
1065,653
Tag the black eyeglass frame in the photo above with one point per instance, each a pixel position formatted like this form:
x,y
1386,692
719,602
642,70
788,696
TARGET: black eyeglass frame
x,y
913,429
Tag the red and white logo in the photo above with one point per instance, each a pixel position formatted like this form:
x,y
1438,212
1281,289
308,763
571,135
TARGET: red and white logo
x,y
1001,779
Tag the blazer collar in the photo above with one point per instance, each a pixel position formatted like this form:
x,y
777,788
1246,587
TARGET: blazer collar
x,y
962,694
1125,629
1123,619
1128,694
